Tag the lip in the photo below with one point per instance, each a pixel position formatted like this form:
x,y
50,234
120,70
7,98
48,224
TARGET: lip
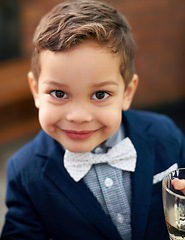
x,y
79,135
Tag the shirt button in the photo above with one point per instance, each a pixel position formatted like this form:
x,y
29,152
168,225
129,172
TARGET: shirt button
x,y
98,150
120,218
108,182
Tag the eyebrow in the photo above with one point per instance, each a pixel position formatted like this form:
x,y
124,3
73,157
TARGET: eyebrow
x,y
57,84
102,84
96,85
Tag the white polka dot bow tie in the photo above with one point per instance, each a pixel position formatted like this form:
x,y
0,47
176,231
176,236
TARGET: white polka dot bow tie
x,y
122,156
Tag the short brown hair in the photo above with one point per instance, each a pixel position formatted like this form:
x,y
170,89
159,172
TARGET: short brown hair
x,y
73,22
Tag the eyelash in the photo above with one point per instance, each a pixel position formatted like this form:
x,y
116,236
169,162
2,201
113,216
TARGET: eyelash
x,y
63,95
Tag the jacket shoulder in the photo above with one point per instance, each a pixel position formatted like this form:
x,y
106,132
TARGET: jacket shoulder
x,y
27,158
154,124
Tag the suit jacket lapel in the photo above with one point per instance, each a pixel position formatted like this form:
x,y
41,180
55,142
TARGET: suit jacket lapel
x,y
142,181
78,192
142,178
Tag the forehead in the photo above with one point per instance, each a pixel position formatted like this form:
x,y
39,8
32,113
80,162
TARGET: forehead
x,y
89,55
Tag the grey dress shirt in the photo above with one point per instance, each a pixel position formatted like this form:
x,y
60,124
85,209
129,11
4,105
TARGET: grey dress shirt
x,y
112,188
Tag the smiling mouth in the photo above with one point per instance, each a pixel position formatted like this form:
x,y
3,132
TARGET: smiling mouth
x,y
79,135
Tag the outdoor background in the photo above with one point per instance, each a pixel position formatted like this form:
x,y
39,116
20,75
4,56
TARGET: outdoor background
x,y
159,31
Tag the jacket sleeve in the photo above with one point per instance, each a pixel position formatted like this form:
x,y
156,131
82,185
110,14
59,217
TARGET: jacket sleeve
x,y
22,220
182,151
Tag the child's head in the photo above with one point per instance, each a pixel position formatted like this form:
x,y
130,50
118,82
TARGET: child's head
x,y
74,22
82,73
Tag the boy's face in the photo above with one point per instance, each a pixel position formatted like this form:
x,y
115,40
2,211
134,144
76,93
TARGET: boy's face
x,y
80,95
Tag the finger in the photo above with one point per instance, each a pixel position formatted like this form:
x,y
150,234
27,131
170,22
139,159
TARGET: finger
x,y
179,184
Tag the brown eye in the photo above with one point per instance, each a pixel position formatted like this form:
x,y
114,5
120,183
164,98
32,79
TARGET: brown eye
x,y
58,94
100,95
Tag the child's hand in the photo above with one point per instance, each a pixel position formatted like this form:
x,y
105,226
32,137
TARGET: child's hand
x,y
179,184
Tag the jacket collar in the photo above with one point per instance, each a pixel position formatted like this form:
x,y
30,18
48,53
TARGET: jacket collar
x,y
142,178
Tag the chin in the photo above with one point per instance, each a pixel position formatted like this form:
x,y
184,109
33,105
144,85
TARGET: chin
x,y
79,149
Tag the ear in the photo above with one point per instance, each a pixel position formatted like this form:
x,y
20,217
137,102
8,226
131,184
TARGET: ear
x,y
129,92
34,88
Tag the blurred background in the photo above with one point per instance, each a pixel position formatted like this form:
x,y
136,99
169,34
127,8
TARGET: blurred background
x,y
159,30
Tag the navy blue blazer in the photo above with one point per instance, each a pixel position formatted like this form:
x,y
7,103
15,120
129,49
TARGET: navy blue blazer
x,y
45,203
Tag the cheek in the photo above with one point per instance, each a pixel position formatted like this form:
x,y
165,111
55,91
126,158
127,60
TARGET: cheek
x,y
47,116
111,119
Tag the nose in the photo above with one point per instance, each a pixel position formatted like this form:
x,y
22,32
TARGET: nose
x,y
79,113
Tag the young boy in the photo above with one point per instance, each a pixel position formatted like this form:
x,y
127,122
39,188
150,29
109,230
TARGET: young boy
x,y
94,172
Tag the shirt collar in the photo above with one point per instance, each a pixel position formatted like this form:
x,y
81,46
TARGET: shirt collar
x,y
117,137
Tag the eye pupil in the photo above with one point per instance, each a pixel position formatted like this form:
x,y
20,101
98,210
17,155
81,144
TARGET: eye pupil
x,y
59,94
100,95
